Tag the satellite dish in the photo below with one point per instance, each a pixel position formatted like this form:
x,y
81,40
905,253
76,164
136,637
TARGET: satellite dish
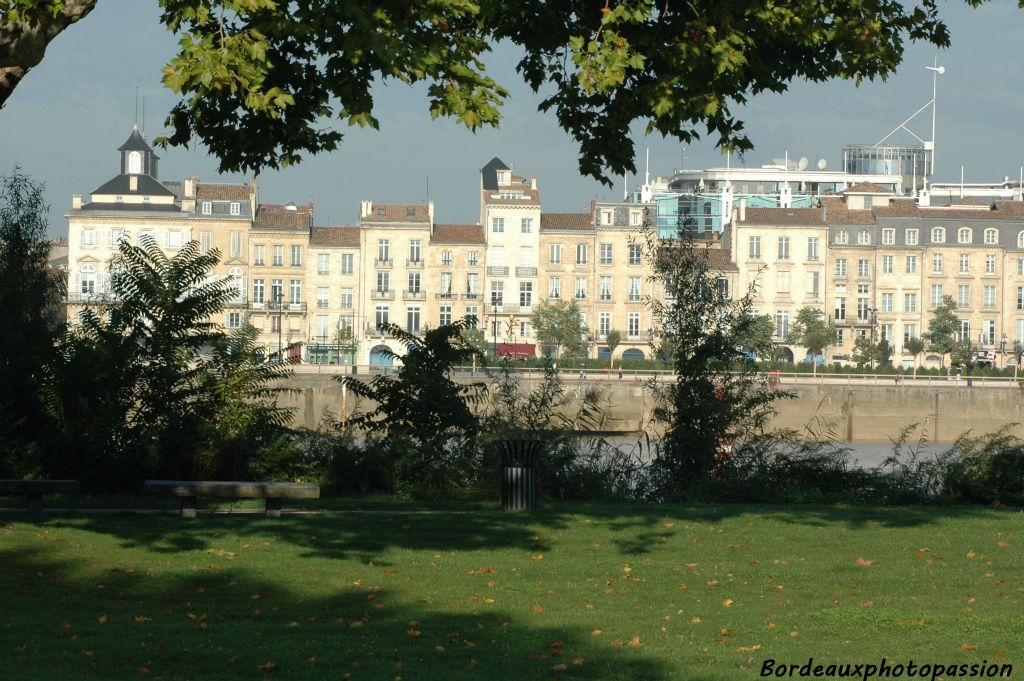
x,y
802,163
821,164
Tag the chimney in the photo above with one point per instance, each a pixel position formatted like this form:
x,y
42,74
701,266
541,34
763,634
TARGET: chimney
x,y
430,212
743,209
76,201
365,208
190,187
824,213
533,181
593,210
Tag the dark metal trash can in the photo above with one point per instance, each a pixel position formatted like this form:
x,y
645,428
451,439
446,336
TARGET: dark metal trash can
x,y
519,474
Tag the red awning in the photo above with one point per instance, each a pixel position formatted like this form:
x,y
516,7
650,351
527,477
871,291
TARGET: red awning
x,y
517,350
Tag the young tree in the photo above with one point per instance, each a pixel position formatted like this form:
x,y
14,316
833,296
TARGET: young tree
x,y
883,353
810,330
30,294
473,337
915,346
557,323
943,329
258,78
612,339
863,351
756,339
717,395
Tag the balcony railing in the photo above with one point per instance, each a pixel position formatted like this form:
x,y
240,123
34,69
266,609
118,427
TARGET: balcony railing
x,y
526,271
322,304
414,264
446,296
471,296
382,295
635,298
287,308
581,267
387,264
413,295
497,271
93,298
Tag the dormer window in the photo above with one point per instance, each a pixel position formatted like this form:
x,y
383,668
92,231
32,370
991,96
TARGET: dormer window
x,y
410,211
134,163
207,207
235,208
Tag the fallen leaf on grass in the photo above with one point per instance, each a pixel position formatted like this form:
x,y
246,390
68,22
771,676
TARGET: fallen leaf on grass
x,y
488,600
539,556
634,642
921,553
971,554
727,603
143,669
669,526
65,625
968,647
102,619
1002,544
863,562
268,665
560,667
596,632
538,608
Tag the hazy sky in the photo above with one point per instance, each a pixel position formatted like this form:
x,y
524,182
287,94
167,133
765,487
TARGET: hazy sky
x,y
69,115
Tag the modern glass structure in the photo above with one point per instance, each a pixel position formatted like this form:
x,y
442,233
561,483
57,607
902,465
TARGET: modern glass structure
x,y
911,162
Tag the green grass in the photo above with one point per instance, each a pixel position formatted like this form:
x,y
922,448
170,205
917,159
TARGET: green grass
x,y
611,592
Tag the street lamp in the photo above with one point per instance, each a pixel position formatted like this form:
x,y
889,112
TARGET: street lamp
x,y
494,326
936,72
279,301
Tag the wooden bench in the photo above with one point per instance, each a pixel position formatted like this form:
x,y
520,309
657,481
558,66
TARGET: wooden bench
x,y
190,490
35,489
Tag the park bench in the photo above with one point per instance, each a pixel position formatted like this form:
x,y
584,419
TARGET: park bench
x,y
35,489
190,490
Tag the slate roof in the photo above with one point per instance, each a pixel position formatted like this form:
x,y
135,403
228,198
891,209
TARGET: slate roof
x,y
568,221
530,196
120,185
136,142
342,235
489,173
133,207
398,212
223,192
457,234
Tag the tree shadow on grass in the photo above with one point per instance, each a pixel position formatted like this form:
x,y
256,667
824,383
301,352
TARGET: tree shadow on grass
x,y
67,619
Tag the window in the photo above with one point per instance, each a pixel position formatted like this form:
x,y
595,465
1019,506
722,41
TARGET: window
x,y
473,284
605,288
909,331
1020,297
88,279
991,236
841,267
234,320
446,258
347,260
963,296
295,291
990,264
205,241
606,217
381,316
604,324
911,264
812,247
937,263
322,298
863,237
296,256
635,217
910,302
259,255
633,325
963,235
988,333
415,250
497,225
634,289
887,264
910,237
782,323
965,329
276,290
383,282
346,298
526,225
888,236
323,263
755,247
555,287
525,294
258,290
842,237
444,315
965,263
321,327
206,207
236,244
474,258
581,254
175,238
383,250
634,254
555,254
497,293
783,248
1020,267
989,299
938,235
581,288
606,254
838,341
886,302
862,309
414,282
410,211
782,283
446,284
116,236
236,208
277,256
814,284
473,315
862,268
936,295
134,162
412,319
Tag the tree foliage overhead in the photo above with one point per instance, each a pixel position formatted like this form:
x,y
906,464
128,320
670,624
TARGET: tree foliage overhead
x,y
260,80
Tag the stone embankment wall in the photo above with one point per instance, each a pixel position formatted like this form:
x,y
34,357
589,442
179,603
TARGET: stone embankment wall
x,y
850,413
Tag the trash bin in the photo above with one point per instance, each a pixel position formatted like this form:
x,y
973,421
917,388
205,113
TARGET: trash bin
x,y
519,474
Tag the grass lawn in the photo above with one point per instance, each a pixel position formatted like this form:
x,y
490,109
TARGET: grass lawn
x,y
703,593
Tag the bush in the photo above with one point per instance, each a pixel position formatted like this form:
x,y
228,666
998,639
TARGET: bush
x,y
989,469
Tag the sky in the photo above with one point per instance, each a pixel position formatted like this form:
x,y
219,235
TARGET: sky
x,y
66,119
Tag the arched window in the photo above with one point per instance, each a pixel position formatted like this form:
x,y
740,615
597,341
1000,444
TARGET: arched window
x,y
991,236
1020,240
963,235
88,279
938,235
134,162
237,281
